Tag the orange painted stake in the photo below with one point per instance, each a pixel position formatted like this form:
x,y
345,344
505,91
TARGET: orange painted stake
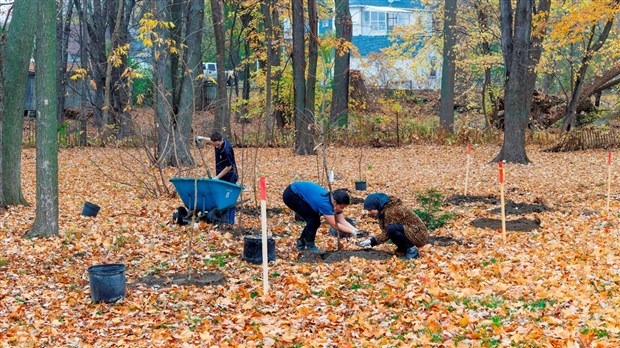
x,y
501,186
608,179
263,215
467,168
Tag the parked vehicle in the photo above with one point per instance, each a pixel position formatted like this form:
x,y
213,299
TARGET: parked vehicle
x,y
209,70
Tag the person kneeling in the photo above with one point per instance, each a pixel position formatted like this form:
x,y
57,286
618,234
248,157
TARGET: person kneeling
x,y
398,223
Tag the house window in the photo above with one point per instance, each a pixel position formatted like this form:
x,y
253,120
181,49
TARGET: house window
x,y
394,19
376,20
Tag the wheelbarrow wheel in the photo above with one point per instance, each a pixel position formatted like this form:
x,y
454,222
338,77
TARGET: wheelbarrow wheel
x,y
179,216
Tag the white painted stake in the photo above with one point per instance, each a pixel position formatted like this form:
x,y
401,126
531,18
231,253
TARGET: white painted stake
x,y
263,219
467,168
501,186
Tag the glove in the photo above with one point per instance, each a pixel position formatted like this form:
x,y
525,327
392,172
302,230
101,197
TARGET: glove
x,y
365,243
360,233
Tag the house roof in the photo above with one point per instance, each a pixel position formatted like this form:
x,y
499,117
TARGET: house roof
x,y
373,44
369,44
410,4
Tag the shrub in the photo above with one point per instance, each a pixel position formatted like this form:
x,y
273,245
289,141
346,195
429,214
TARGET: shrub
x,y
431,201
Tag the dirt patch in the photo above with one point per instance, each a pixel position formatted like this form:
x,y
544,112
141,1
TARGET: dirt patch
x,y
238,231
521,208
443,241
342,255
166,280
520,225
462,199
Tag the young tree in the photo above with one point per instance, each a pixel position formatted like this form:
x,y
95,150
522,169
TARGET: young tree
x,y
446,113
304,123
521,45
46,219
340,90
17,54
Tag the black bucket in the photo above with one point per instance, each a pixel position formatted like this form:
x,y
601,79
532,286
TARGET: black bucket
x,y
90,209
253,249
107,282
360,185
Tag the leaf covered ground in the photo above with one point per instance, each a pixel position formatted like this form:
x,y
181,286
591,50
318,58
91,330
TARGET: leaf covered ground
x,y
554,286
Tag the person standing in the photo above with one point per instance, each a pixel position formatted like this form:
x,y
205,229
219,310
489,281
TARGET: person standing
x,y
311,201
225,165
398,223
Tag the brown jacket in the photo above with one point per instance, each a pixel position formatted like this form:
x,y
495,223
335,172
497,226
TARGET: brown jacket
x,y
395,212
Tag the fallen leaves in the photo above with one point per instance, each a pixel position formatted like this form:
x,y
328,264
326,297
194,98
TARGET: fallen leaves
x,y
556,286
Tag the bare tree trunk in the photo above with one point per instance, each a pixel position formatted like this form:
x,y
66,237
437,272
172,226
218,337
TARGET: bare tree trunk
x,y
571,113
108,72
17,54
163,97
266,9
193,66
63,32
304,123
340,90
222,117
84,100
46,219
313,56
446,113
521,75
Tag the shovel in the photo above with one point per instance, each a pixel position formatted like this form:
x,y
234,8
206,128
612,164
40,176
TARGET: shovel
x,y
203,159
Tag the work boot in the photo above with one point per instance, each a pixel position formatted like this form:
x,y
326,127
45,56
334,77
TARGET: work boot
x,y
310,246
301,244
412,253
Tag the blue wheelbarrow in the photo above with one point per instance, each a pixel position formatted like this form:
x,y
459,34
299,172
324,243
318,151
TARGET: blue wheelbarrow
x,y
207,202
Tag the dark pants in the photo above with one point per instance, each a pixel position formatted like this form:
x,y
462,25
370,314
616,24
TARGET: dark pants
x,y
301,207
228,215
398,237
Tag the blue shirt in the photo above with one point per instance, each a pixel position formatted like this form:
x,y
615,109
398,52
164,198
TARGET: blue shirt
x,y
225,157
315,195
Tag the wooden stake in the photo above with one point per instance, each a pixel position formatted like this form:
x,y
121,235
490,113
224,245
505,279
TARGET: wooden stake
x,y
467,168
263,219
608,179
501,187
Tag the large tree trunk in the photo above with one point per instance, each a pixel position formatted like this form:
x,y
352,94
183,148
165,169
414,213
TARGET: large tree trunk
x,y
193,65
446,113
163,95
107,93
65,18
46,219
84,93
340,87
313,56
96,19
304,123
20,41
521,77
222,116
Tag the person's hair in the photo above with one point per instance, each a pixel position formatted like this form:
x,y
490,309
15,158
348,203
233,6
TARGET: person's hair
x,y
216,136
341,196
